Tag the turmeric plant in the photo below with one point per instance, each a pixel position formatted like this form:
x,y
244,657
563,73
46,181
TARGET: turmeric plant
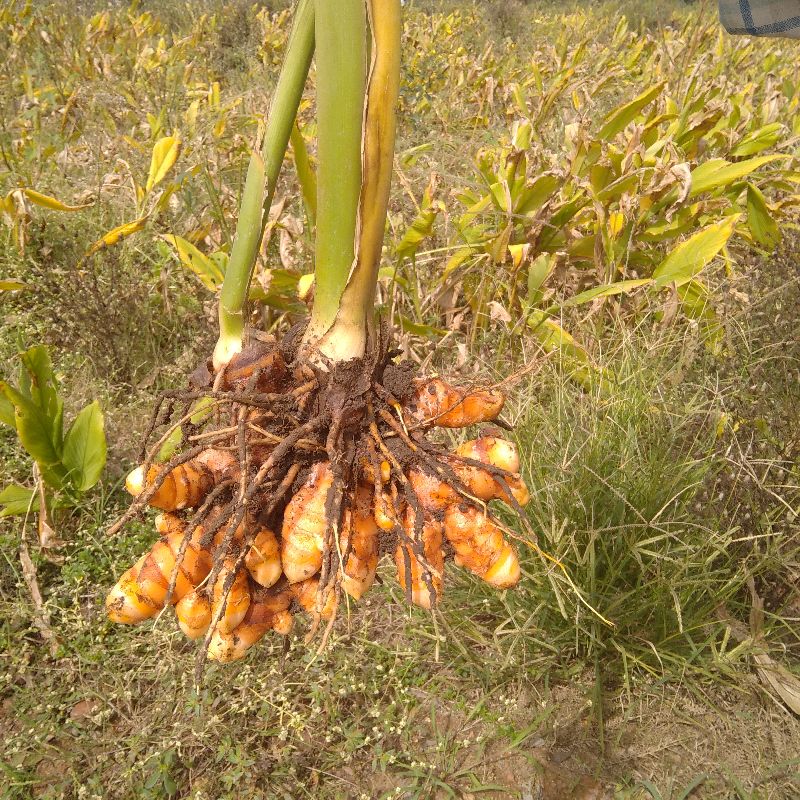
x,y
66,464
313,455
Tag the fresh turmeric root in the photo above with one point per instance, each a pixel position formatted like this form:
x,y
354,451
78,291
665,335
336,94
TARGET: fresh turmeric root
x,y
232,594
268,610
423,583
480,547
359,539
304,526
194,614
301,489
186,485
142,591
437,403
263,560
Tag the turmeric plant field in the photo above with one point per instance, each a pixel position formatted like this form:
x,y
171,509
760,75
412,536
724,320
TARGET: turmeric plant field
x,y
594,209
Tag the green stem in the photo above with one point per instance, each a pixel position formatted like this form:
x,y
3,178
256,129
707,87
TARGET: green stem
x,y
347,337
341,81
262,177
287,96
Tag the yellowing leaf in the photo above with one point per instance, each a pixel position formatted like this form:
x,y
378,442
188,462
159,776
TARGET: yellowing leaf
x,y
519,252
718,172
762,225
116,234
204,267
165,154
759,140
457,259
45,201
304,285
692,256
616,222
620,117
7,204
574,356
606,290
11,285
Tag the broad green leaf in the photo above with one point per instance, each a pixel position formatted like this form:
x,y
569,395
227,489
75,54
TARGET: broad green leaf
x,y
457,259
762,225
33,430
534,196
692,256
617,188
38,383
620,117
7,412
165,154
538,272
419,230
44,201
116,234
419,329
11,285
207,270
84,453
606,290
756,141
16,500
41,385
718,172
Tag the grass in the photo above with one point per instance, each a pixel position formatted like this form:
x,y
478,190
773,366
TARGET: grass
x,y
660,498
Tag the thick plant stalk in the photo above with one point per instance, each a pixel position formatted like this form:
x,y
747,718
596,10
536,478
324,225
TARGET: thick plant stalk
x,y
262,177
348,335
341,81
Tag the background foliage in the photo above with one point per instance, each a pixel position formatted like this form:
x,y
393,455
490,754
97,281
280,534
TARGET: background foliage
x,y
609,198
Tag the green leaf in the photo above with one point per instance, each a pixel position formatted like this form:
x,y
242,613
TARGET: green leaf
x,y
696,304
41,386
16,500
419,329
620,117
538,272
606,290
762,225
7,412
421,227
85,448
718,172
534,196
33,429
756,141
692,256
202,265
